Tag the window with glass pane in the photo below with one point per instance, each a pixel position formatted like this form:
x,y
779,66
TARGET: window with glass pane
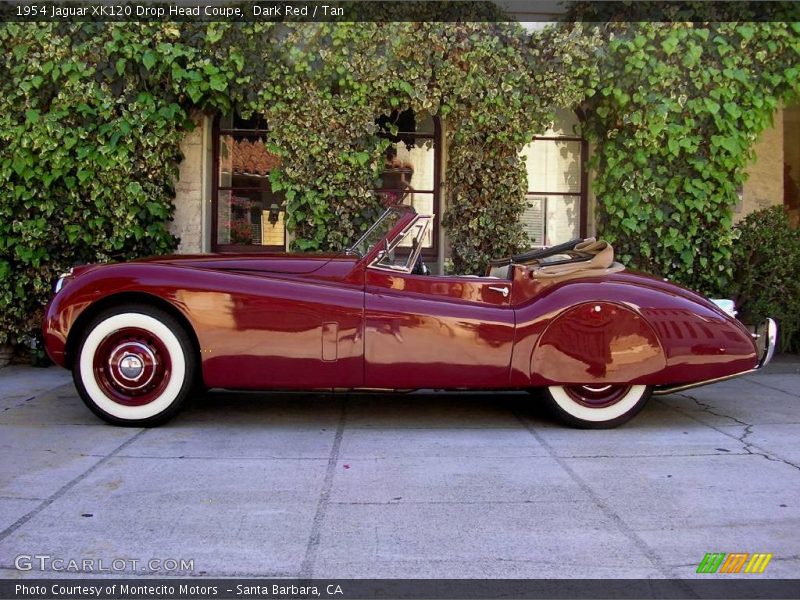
x,y
554,166
411,171
398,260
556,199
249,216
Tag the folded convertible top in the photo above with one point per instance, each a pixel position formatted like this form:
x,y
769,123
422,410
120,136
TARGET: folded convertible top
x,y
576,258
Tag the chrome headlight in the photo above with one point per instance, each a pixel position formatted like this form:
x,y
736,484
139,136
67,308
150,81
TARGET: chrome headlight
x,y
62,279
727,306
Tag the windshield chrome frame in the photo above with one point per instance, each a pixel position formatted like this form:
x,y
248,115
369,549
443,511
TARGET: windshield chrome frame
x,y
413,256
352,249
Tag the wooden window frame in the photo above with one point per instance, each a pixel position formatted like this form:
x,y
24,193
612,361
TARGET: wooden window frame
x,y
582,195
431,253
217,132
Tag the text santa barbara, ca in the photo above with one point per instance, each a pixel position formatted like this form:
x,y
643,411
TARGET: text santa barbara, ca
x,y
248,591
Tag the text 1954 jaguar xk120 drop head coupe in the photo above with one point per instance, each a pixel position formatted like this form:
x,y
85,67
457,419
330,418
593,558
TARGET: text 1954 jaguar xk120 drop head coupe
x,y
599,340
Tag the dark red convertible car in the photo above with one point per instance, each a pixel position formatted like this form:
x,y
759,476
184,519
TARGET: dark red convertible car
x,y
597,339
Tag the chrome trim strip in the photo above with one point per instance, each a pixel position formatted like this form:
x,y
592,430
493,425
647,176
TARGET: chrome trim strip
x,y
769,350
596,389
687,386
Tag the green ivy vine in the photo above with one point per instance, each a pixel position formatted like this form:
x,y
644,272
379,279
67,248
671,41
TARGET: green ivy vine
x,y
673,127
92,116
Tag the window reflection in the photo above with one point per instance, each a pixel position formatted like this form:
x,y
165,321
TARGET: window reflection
x,y
248,213
411,166
554,163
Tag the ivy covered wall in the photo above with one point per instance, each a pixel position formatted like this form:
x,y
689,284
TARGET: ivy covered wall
x,y
674,129
91,118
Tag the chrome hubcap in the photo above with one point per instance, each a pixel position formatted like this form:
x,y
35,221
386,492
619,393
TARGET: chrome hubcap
x,y
592,388
597,396
132,365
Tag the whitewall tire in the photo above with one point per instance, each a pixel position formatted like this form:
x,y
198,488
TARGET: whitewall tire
x,y
135,365
597,406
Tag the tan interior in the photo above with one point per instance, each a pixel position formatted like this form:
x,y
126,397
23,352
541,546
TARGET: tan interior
x,y
599,260
589,258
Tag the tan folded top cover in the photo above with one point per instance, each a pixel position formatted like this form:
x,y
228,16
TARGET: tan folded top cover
x,y
601,262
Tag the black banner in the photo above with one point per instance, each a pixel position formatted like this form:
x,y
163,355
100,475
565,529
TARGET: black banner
x,y
398,10
445,589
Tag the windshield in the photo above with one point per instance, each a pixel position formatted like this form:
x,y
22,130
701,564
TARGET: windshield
x,y
375,233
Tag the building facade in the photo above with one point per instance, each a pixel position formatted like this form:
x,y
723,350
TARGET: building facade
x,y
224,201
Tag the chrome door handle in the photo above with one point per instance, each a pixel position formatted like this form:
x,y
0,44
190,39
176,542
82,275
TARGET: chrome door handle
x,y
501,290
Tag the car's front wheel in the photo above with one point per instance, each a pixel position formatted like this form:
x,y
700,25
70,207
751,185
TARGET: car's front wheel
x,y
597,406
135,365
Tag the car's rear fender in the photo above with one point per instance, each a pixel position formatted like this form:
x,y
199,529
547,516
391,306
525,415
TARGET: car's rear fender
x,y
653,335
597,342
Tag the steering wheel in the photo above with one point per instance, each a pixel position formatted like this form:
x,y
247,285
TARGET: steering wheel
x,y
420,268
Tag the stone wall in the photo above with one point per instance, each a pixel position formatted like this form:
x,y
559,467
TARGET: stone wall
x,y
764,185
791,159
192,192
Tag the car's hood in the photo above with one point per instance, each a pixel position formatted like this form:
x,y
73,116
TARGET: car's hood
x,y
299,263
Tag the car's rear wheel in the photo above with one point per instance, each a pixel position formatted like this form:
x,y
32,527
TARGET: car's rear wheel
x,y
135,366
597,406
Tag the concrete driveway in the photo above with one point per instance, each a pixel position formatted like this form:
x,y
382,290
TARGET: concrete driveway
x,y
420,485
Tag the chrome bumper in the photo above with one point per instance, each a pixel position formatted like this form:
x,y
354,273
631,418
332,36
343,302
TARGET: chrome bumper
x,y
766,336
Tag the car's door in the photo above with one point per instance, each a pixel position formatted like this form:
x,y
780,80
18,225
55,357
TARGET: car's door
x,y
264,331
427,331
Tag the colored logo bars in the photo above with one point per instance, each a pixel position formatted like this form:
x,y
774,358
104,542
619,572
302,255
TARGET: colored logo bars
x,y
719,562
